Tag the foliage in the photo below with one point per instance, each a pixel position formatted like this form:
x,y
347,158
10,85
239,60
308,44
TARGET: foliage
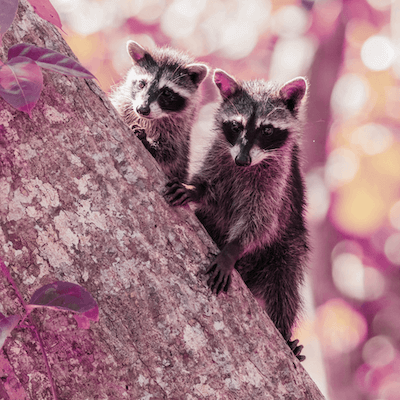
x,y
64,296
21,79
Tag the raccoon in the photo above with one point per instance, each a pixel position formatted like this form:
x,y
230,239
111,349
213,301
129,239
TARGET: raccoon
x,y
159,99
250,195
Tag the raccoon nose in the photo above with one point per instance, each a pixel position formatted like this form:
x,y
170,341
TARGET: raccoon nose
x,y
143,110
243,160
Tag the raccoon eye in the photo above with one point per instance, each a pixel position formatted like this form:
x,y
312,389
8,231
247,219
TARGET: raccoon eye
x,y
142,84
232,130
236,126
167,93
268,130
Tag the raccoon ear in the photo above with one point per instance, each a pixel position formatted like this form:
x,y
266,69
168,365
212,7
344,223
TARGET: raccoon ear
x,y
226,83
136,51
197,72
292,93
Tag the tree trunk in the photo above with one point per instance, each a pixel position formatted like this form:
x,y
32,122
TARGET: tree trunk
x,y
80,202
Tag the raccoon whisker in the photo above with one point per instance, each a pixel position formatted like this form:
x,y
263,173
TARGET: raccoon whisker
x,y
233,105
176,69
275,109
178,78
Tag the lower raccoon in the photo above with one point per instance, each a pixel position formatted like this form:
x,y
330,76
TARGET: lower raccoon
x,y
250,194
159,99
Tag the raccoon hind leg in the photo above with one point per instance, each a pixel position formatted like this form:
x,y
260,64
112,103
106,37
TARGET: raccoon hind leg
x,y
275,284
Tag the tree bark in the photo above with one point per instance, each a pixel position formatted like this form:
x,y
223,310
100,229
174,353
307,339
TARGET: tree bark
x,y
80,201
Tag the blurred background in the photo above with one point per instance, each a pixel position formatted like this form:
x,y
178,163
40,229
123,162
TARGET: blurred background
x,y
349,50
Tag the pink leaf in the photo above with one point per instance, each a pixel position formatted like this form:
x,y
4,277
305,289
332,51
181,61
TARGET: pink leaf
x,y
44,9
21,82
7,13
50,59
84,319
7,324
64,296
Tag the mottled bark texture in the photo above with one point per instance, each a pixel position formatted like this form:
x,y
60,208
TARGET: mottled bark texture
x,y
80,201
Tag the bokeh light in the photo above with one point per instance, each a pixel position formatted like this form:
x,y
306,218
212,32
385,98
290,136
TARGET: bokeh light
x,y
387,320
290,21
390,387
180,18
347,246
348,275
318,196
392,248
238,41
375,284
291,58
341,167
349,95
239,32
378,351
395,215
381,4
372,138
354,279
378,53
358,209
148,11
340,327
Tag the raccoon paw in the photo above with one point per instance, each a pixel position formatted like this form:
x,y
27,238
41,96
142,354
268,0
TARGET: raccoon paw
x,y
150,147
220,276
176,193
296,349
140,133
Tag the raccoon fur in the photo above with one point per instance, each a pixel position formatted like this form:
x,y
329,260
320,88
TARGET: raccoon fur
x,y
249,194
159,100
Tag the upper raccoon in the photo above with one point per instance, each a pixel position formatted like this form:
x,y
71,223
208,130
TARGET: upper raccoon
x,y
250,194
160,97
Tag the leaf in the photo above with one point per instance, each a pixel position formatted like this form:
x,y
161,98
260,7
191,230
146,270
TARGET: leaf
x,y
50,59
7,14
64,296
44,9
7,324
21,82
84,319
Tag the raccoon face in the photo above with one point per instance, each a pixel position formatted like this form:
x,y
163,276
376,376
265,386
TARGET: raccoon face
x,y
252,144
162,84
256,119
153,99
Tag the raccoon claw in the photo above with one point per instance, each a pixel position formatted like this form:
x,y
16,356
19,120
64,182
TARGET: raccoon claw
x,y
221,269
173,182
220,275
296,349
176,193
219,280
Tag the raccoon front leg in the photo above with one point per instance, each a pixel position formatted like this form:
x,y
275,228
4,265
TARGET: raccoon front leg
x,y
220,270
